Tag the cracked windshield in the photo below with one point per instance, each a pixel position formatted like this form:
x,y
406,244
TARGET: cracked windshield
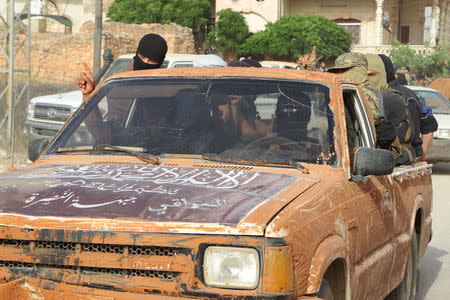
x,y
259,121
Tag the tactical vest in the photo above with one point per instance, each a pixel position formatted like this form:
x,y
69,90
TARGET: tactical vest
x,y
402,148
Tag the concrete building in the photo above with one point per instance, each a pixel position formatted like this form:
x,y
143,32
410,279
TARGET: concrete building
x,y
372,23
65,16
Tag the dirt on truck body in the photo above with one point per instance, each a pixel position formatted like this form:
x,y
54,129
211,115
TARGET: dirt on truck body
x,y
215,183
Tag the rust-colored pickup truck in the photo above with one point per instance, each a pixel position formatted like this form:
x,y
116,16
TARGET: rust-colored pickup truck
x,y
215,183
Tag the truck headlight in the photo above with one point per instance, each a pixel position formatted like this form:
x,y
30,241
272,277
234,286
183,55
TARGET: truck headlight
x,y
31,110
442,134
231,267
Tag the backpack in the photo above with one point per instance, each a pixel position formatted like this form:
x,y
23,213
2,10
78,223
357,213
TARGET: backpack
x,y
396,109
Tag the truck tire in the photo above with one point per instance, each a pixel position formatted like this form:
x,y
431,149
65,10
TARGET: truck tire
x,y
406,290
325,291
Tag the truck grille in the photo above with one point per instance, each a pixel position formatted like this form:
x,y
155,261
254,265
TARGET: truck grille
x,y
28,268
44,131
93,264
103,248
52,113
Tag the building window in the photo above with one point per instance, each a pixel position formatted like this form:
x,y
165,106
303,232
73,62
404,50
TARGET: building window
x,y
353,26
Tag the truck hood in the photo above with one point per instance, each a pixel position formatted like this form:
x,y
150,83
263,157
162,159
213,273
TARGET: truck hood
x,y
73,99
151,194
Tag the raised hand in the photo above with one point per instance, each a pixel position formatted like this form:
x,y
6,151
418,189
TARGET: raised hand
x,y
308,61
86,81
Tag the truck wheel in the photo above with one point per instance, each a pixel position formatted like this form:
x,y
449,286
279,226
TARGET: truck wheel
x,y
406,290
325,291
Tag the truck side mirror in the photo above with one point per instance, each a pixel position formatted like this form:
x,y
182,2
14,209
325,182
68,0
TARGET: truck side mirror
x,y
36,147
108,57
372,161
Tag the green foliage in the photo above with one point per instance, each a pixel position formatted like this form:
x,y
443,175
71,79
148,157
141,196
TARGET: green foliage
x,y
188,13
436,65
295,35
229,33
403,55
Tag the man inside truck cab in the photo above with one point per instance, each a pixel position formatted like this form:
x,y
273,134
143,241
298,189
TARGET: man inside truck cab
x,y
150,54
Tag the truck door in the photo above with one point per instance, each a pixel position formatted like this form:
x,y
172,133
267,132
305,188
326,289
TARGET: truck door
x,y
374,208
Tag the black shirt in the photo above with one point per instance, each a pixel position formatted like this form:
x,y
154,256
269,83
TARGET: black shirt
x,y
427,121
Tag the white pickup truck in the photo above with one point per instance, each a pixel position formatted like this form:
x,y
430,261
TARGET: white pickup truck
x,y
440,148
47,114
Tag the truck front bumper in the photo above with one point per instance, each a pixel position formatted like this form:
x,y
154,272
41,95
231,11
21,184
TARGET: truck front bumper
x,y
35,130
33,289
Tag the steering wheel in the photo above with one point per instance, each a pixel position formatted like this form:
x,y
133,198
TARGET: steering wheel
x,y
268,146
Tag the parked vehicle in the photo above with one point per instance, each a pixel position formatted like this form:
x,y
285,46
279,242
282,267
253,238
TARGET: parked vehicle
x,y
216,183
47,114
279,64
440,148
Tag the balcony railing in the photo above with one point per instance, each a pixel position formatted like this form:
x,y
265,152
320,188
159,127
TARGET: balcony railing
x,y
386,49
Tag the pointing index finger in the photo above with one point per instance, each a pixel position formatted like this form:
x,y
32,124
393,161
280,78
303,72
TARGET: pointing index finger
x,y
88,71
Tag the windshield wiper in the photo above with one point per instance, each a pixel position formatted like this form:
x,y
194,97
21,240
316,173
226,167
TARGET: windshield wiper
x,y
137,152
299,166
217,157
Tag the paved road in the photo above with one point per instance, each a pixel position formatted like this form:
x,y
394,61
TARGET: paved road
x,y
435,267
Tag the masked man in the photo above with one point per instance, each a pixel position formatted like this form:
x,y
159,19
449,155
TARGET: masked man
x,y
150,54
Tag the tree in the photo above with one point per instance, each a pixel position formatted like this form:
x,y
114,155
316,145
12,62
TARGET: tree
x,y
188,13
403,55
229,32
295,35
136,11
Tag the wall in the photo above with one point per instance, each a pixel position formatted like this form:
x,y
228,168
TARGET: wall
x,y
392,8
78,11
256,13
413,13
56,57
409,12
355,9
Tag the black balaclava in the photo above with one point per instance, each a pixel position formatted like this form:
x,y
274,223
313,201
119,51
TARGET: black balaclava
x,y
393,81
389,67
292,116
152,46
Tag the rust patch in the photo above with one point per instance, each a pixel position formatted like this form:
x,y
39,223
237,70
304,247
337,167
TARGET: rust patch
x,y
20,289
278,271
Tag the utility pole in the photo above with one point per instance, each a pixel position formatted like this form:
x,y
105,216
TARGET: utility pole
x,y
10,85
98,35
10,92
